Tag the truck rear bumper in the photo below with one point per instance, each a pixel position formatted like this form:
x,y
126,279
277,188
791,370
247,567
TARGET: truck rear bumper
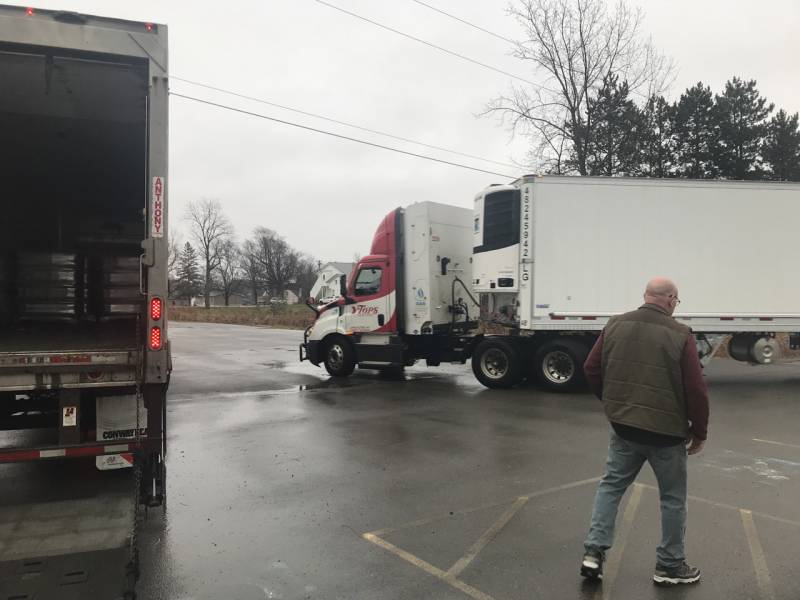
x,y
22,371
10,455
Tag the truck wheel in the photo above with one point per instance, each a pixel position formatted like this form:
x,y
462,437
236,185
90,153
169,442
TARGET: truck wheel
x,y
559,364
339,357
496,363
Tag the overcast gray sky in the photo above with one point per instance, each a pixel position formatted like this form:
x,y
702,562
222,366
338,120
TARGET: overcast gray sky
x,y
326,196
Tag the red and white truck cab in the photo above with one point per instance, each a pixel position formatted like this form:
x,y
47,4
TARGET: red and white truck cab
x,y
404,300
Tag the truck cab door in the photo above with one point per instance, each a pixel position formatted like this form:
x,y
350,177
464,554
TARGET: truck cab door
x,y
370,305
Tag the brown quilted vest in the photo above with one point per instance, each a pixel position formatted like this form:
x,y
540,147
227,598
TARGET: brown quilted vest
x,y
642,380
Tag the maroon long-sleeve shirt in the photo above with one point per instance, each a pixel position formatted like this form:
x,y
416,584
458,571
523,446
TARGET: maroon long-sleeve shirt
x,y
694,388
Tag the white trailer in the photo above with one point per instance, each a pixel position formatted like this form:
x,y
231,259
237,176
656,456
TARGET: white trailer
x,y
84,348
555,257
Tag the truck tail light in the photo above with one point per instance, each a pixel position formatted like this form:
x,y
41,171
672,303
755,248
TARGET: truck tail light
x,y
155,338
156,309
29,11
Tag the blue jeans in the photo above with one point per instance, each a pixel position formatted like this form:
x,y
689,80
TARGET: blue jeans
x,y
625,460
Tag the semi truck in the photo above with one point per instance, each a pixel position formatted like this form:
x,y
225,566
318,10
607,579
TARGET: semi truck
x,y
550,259
84,350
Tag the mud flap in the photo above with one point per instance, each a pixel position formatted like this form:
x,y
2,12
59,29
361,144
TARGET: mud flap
x,y
116,420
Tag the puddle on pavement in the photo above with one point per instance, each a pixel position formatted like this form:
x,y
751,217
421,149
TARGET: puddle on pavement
x,y
765,468
326,385
275,364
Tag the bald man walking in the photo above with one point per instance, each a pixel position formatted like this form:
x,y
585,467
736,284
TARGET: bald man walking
x,y
645,369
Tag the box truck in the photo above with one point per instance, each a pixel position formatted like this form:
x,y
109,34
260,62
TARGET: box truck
x,y
407,299
553,258
84,351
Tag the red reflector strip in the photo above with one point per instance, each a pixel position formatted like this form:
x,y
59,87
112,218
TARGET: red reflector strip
x,y
557,318
726,318
155,338
70,358
588,318
20,456
765,318
27,455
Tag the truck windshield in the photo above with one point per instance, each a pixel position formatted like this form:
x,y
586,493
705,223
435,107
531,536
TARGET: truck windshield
x,y
368,281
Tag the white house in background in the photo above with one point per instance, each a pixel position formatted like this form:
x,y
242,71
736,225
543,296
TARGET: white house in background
x,y
327,283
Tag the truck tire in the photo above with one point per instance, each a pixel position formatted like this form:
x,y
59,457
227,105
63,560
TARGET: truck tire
x,y
339,357
559,364
497,364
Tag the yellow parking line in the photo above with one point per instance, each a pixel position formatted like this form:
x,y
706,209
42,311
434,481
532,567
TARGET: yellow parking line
x,y
463,562
427,567
732,507
467,511
426,520
757,552
615,557
774,443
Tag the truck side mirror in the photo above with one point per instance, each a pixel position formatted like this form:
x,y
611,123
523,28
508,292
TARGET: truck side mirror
x,y
343,286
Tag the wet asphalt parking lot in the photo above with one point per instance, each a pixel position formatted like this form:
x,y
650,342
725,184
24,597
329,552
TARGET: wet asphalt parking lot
x,y
283,483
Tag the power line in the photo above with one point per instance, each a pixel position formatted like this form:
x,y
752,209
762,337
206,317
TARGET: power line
x,y
332,120
336,135
421,41
459,19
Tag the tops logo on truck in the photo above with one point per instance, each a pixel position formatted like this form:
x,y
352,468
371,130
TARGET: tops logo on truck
x,y
365,311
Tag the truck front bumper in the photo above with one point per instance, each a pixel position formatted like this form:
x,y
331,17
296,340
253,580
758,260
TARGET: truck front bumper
x,y
311,352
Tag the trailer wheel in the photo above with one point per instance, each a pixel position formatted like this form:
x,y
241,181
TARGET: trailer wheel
x,y
339,357
496,363
559,364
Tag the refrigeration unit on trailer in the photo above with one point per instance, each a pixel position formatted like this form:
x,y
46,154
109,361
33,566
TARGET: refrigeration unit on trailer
x,y
555,257
408,299
84,353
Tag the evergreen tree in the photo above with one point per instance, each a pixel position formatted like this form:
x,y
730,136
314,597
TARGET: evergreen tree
x,y
188,272
741,114
611,150
696,133
781,149
657,138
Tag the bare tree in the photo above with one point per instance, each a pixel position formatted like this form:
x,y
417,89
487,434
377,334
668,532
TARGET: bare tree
x,y
251,268
228,269
575,45
173,256
306,276
210,228
278,260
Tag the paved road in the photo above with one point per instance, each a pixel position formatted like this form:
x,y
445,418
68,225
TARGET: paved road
x,y
285,484
276,473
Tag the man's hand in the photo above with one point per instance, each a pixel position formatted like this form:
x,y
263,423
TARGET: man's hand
x,y
695,445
